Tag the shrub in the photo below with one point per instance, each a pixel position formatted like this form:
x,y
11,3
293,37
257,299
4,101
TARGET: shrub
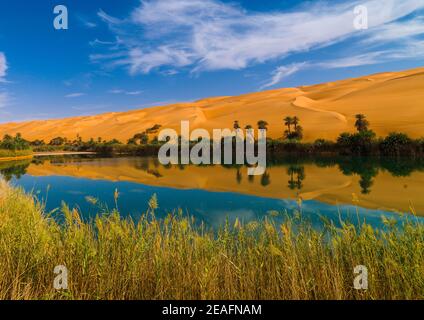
x,y
396,144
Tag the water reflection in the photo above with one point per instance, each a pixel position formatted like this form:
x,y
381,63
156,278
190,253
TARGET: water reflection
x,y
17,169
380,184
297,175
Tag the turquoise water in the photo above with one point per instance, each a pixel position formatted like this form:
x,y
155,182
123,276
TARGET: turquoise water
x,y
43,178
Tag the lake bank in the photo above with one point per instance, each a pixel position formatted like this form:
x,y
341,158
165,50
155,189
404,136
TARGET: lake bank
x,y
5,159
15,155
62,153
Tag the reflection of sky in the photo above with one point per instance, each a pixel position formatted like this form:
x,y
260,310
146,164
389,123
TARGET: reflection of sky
x,y
212,207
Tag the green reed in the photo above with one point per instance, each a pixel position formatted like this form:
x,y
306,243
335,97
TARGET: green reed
x,y
178,258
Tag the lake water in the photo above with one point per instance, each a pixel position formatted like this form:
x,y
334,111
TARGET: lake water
x,y
347,188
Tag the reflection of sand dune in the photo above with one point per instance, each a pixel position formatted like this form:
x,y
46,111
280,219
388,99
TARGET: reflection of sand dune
x,y
318,193
392,101
326,184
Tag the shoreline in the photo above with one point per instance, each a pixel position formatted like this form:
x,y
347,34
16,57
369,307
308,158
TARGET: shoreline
x,y
61,153
17,158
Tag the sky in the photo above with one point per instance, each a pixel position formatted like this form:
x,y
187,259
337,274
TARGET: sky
x,y
132,54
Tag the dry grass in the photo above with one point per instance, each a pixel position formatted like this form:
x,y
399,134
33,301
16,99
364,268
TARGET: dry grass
x,y
113,258
10,154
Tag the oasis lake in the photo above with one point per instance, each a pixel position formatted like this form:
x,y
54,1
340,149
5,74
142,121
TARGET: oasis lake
x,y
334,188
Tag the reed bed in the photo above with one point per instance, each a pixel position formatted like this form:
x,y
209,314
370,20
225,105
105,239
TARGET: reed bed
x,y
178,258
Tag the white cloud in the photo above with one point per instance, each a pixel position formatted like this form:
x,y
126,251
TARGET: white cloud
x,y
3,66
283,72
90,24
353,61
4,99
210,35
107,18
397,30
134,93
116,91
129,93
75,95
409,50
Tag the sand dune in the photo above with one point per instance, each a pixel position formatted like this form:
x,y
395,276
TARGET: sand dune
x,y
392,101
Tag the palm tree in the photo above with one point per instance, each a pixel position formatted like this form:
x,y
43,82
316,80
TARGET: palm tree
x,y
361,123
236,125
248,127
288,121
298,133
295,122
262,125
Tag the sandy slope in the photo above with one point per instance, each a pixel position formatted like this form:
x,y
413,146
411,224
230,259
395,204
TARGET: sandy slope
x,y
393,101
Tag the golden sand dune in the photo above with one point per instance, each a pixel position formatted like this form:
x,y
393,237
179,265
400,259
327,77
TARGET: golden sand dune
x,y
392,101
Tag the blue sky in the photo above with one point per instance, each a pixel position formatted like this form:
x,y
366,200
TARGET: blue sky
x,y
129,54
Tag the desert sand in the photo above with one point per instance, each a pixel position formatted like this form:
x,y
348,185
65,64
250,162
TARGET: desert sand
x,y
392,101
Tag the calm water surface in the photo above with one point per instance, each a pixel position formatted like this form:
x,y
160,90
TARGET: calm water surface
x,y
334,188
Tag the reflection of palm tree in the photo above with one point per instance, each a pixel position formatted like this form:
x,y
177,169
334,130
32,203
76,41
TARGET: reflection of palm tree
x,y
251,178
366,168
296,182
239,176
142,164
266,179
366,183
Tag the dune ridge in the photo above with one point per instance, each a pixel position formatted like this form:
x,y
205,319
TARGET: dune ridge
x,y
392,101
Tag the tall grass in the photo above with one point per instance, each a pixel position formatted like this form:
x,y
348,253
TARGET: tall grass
x,y
174,258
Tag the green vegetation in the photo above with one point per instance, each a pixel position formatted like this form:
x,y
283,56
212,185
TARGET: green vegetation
x,y
297,133
176,258
13,147
14,153
364,142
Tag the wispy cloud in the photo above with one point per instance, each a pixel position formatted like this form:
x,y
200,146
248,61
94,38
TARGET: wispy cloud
x,y
107,18
4,99
90,107
283,72
75,95
398,30
90,24
207,35
129,93
3,66
86,22
410,50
